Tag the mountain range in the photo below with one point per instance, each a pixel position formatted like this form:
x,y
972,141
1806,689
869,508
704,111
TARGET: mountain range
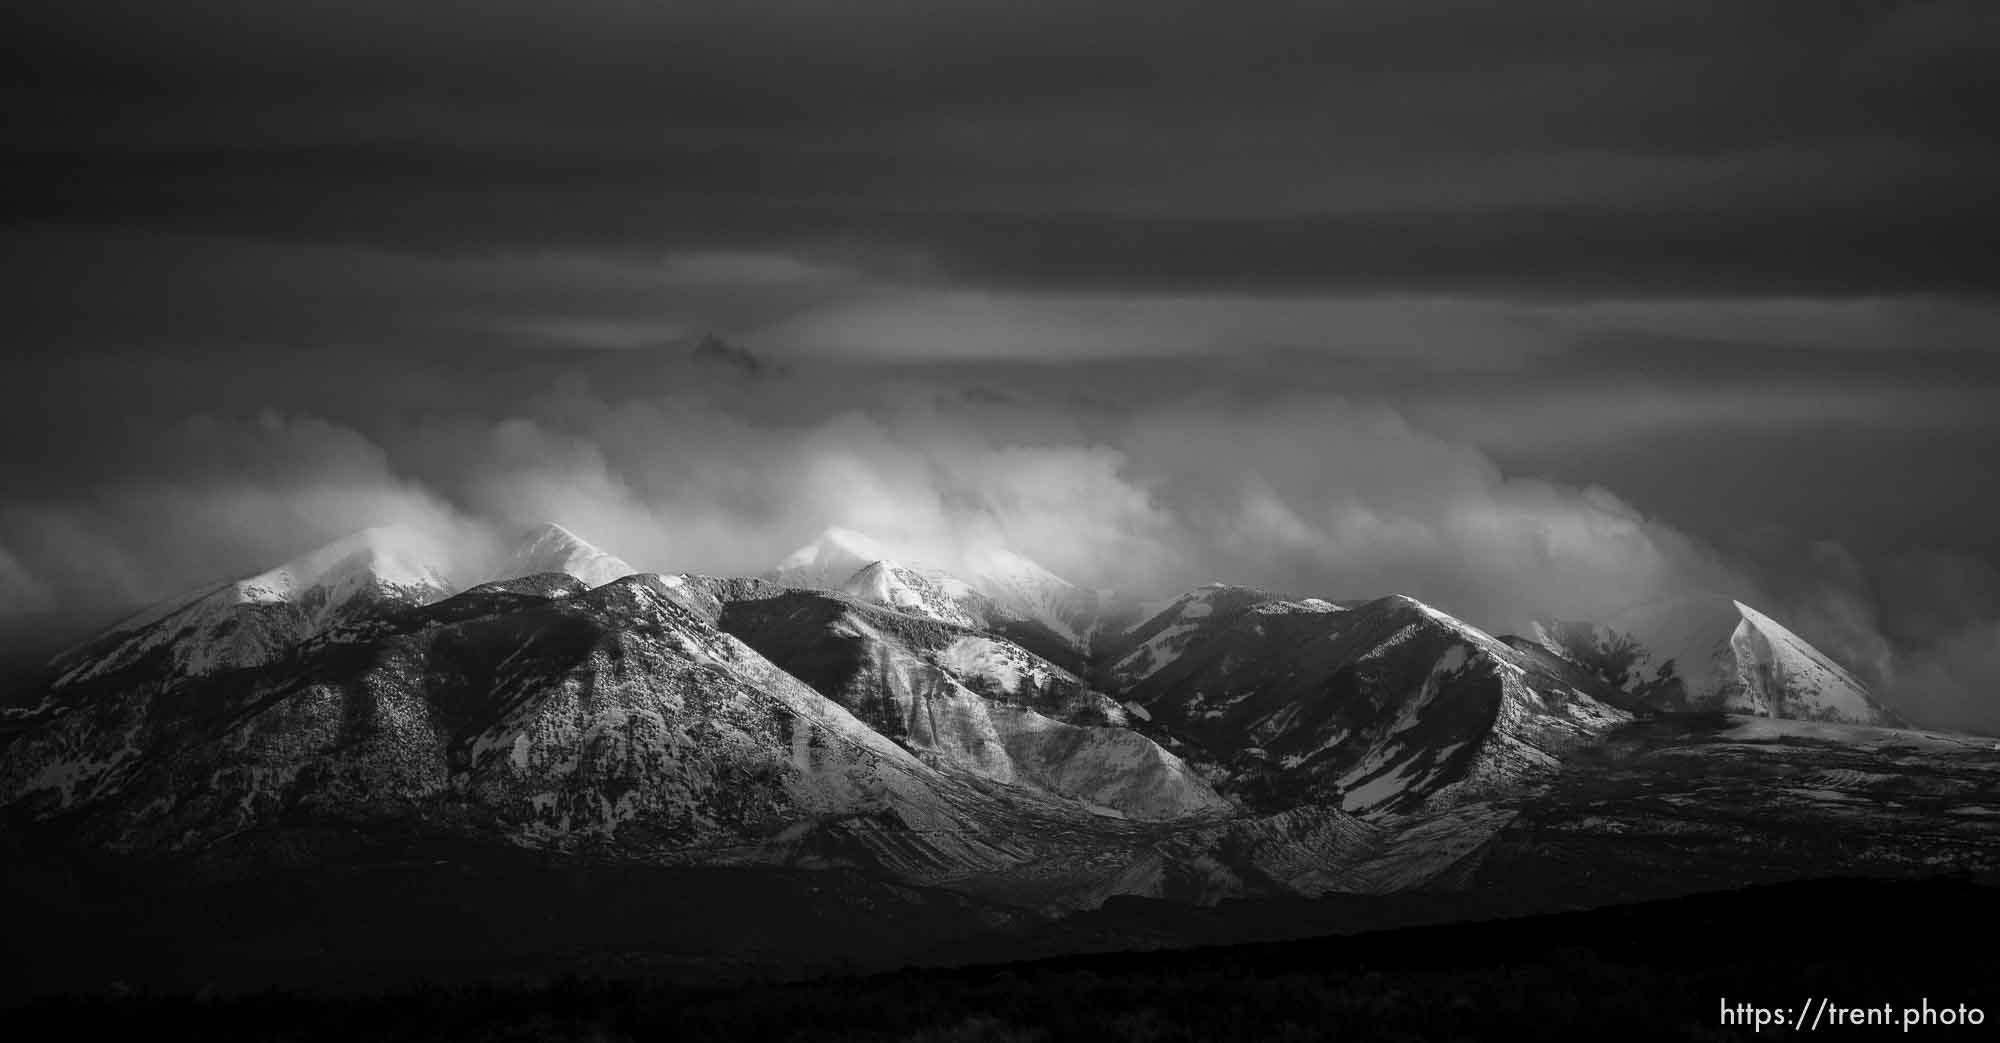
x,y
984,730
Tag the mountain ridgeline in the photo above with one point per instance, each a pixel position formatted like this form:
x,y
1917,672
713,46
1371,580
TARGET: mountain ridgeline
x,y
984,730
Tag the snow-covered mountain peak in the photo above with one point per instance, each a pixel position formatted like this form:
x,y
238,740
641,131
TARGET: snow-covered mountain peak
x,y
393,555
389,556
912,591
260,617
1799,680
553,548
1715,653
830,559
988,584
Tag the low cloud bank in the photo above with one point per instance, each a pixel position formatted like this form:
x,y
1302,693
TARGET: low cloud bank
x,y
1342,497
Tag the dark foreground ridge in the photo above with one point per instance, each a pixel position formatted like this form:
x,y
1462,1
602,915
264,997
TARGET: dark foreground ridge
x,y
1660,970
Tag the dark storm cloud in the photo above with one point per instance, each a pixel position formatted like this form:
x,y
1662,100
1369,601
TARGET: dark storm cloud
x,y
1778,147
1707,74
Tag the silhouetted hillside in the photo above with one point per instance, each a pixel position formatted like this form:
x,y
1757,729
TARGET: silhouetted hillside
x,y
1657,971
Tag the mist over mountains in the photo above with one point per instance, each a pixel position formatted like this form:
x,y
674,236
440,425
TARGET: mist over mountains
x,y
692,466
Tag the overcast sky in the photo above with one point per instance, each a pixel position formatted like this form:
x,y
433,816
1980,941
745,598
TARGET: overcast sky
x,y
1533,308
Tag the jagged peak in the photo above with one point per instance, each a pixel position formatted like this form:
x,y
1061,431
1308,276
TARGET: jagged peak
x,y
891,567
553,547
1719,651
878,574
906,589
